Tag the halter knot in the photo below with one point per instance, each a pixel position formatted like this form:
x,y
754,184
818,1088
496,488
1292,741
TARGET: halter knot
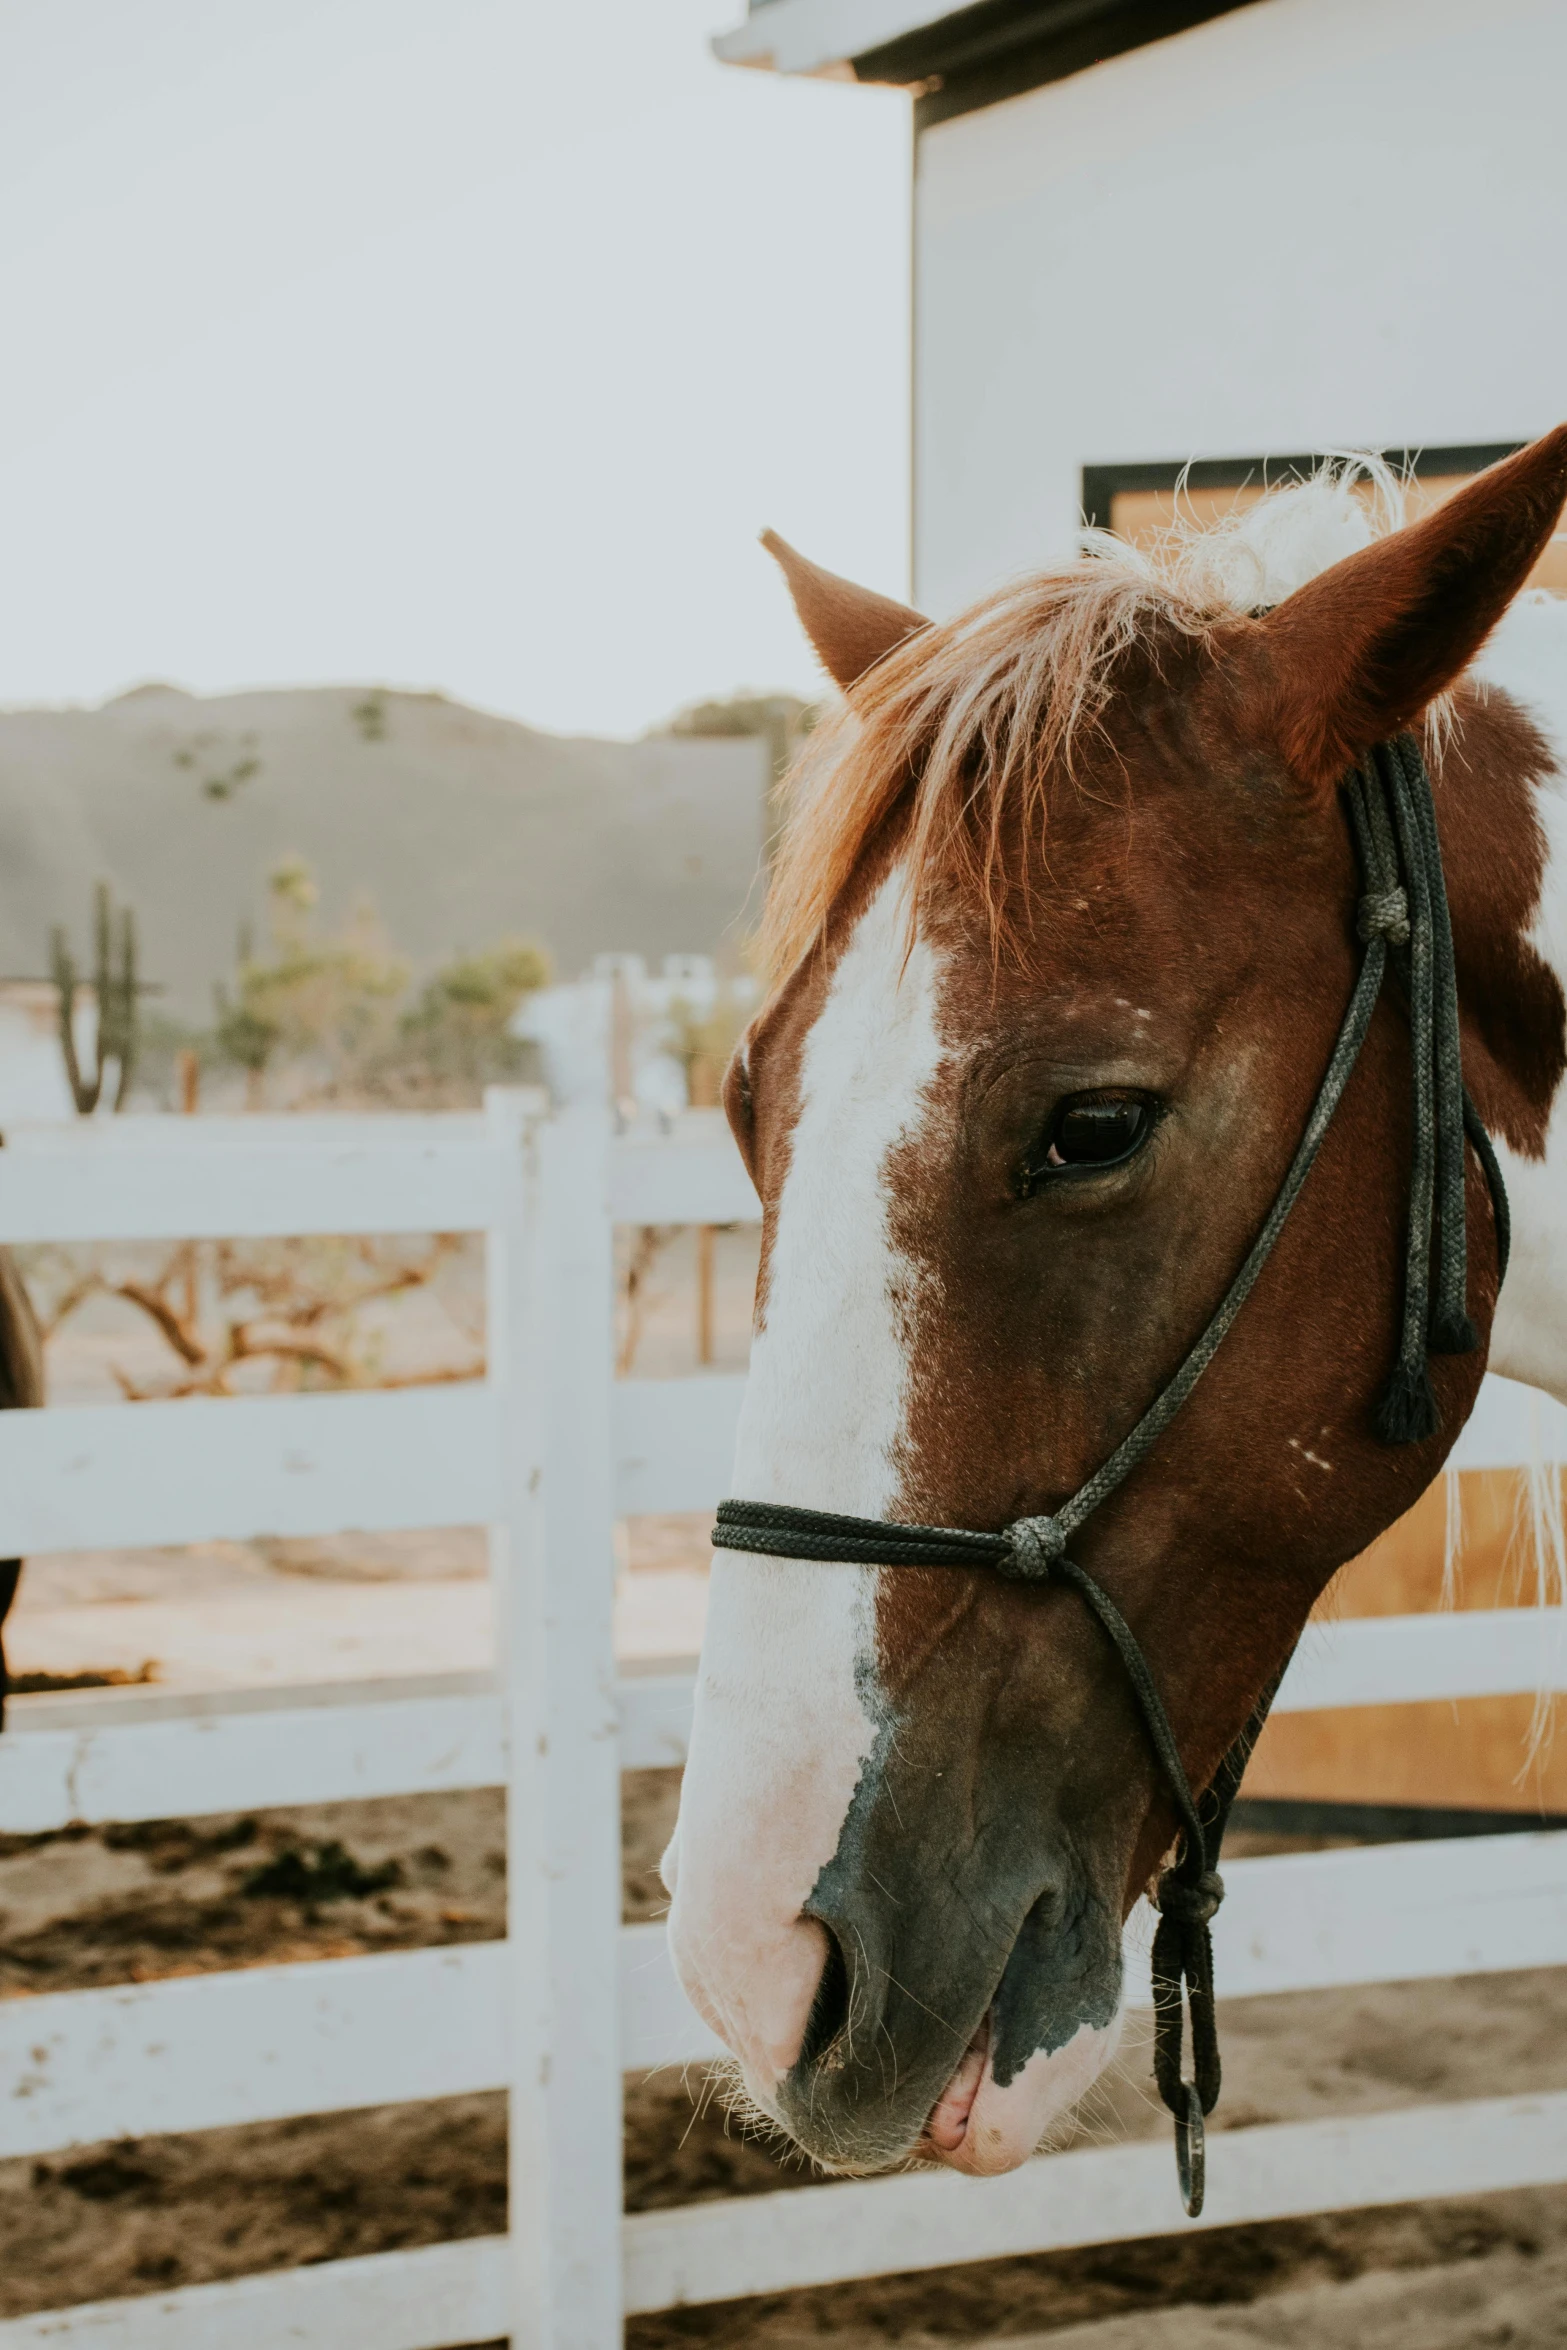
x,y
1035,1545
1383,913
1193,1903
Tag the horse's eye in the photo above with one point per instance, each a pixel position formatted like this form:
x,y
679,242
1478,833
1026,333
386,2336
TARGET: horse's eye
x,y
1089,1131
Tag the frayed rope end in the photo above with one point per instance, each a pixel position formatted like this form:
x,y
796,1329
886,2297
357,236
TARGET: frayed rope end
x,y
1407,1413
1454,1337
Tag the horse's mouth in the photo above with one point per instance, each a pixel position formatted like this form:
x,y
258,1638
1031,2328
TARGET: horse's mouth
x,y
947,2125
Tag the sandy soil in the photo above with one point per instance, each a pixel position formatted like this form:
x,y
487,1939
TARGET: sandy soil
x,y
1514,2296
334,1608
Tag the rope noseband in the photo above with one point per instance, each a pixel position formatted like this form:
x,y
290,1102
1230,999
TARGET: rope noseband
x,y
1402,916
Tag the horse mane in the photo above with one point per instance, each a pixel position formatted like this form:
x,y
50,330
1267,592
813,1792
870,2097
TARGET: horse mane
x,y
969,719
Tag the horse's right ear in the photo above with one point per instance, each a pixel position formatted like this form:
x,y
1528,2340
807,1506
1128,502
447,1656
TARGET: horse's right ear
x,y
1357,653
851,627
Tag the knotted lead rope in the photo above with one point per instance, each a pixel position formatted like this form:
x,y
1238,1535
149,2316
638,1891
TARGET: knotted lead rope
x,y
1403,909
1394,819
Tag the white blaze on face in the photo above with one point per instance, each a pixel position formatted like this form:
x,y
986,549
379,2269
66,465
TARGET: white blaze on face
x,y
784,1717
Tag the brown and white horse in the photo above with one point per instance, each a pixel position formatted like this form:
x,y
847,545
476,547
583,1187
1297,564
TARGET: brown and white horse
x,y
1063,928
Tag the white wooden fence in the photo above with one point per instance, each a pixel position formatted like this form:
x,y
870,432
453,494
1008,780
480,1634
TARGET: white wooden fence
x,y
546,1452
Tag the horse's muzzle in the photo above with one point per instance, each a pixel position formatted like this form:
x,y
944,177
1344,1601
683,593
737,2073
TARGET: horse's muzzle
x,y
991,2004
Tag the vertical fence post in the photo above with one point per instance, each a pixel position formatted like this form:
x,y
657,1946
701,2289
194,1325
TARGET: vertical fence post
x,y
563,1835
512,1274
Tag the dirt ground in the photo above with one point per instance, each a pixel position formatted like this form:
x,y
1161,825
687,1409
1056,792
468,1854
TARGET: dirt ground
x,y
119,1904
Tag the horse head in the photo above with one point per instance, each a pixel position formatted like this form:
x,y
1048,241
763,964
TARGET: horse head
x,y
1063,929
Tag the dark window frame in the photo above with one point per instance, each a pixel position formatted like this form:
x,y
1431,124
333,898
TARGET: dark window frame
x,y
1102,484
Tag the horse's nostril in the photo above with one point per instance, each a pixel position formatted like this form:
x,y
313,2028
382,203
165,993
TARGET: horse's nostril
x,y
1048,1911
829,2014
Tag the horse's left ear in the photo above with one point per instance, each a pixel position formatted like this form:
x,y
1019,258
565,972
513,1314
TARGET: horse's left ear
x,y
1358,653
851,627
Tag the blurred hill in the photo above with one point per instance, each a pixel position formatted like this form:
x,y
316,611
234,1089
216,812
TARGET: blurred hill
x,y
459,826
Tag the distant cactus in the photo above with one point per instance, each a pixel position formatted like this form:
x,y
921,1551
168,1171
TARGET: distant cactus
x,y
116,988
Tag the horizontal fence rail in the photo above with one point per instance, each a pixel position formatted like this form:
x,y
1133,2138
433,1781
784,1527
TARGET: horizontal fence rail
x,y
446,2295
693,1176
1413,1660
274,1178
205,1469
146,1756
251,1178
440,2297
824,2236
252,2044
1389,1913
265,2043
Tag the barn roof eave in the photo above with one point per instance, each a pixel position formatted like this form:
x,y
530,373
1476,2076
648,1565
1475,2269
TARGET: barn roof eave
x,y
954,59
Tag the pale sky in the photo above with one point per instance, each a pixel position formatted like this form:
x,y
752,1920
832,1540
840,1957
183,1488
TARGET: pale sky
x,y
456,343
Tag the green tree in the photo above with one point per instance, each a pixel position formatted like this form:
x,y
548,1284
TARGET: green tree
x,y
331,1001
335,1008
459,1031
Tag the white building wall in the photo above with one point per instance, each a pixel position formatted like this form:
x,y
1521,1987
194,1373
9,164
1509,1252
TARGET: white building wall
x,y
1313,223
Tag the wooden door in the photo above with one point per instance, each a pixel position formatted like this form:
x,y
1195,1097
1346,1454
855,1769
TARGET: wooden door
x,y
1475,1753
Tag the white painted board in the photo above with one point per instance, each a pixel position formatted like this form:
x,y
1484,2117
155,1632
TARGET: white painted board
x,y
200,2052
92,1476
250,1134
1385,1913
825,2235
438,2297
147,1758
446,2295
695,1176
1404,1660
1299,1922
176,1179
153,1755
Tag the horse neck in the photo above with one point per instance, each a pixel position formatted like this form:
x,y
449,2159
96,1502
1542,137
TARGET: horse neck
x,y
1506,788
